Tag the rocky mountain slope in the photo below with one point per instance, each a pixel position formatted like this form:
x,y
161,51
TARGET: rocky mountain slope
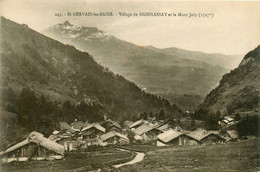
x,y
154,70
239,90
61,72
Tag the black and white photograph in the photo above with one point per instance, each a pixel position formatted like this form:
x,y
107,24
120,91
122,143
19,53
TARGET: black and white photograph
x,y
129,86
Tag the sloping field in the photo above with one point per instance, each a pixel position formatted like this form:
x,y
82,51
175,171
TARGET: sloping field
x,y
242,156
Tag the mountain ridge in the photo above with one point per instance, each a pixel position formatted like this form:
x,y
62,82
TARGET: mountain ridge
x,y
238,90
155,71
61,72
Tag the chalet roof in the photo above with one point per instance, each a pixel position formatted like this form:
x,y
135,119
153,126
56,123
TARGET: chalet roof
x,y
94,125
143,129
111,134
226,121
64,126
228,118
233,134
72,131
200,134
55,132
113,123
169,135
78,125
38,138
128,123
141,121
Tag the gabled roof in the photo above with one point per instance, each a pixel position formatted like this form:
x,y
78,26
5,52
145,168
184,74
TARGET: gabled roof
x,y
113,123
128,123
200,134
38,138
143,129
55,132
141,121
226,121
94,125
169,135
233,134
228,118
111,134
72,131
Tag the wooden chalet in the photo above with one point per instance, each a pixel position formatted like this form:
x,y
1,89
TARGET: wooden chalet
x,y
176,138
92,131
111,125
114,137
35,147
92,142
146,133
207,137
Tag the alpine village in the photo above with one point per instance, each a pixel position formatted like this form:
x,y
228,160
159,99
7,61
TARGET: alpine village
x,y
61,110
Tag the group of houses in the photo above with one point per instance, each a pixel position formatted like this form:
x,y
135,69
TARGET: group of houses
x,y
81,135
157,133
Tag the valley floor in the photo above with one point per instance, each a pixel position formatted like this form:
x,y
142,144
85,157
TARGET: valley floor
x,y
239,156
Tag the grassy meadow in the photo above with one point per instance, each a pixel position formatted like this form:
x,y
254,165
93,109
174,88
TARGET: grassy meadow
x,y
241,156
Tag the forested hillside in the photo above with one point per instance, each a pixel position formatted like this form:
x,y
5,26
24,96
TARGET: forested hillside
x,y
44,81
237,96
238,90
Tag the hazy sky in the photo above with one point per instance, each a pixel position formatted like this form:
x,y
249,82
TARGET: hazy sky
x,y
234,29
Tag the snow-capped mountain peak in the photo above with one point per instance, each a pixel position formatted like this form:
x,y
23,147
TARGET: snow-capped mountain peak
x,y
69,30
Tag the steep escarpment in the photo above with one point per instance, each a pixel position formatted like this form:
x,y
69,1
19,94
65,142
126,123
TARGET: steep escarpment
x,y
238,90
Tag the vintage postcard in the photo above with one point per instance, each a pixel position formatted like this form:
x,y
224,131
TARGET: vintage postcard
x,y
148,85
